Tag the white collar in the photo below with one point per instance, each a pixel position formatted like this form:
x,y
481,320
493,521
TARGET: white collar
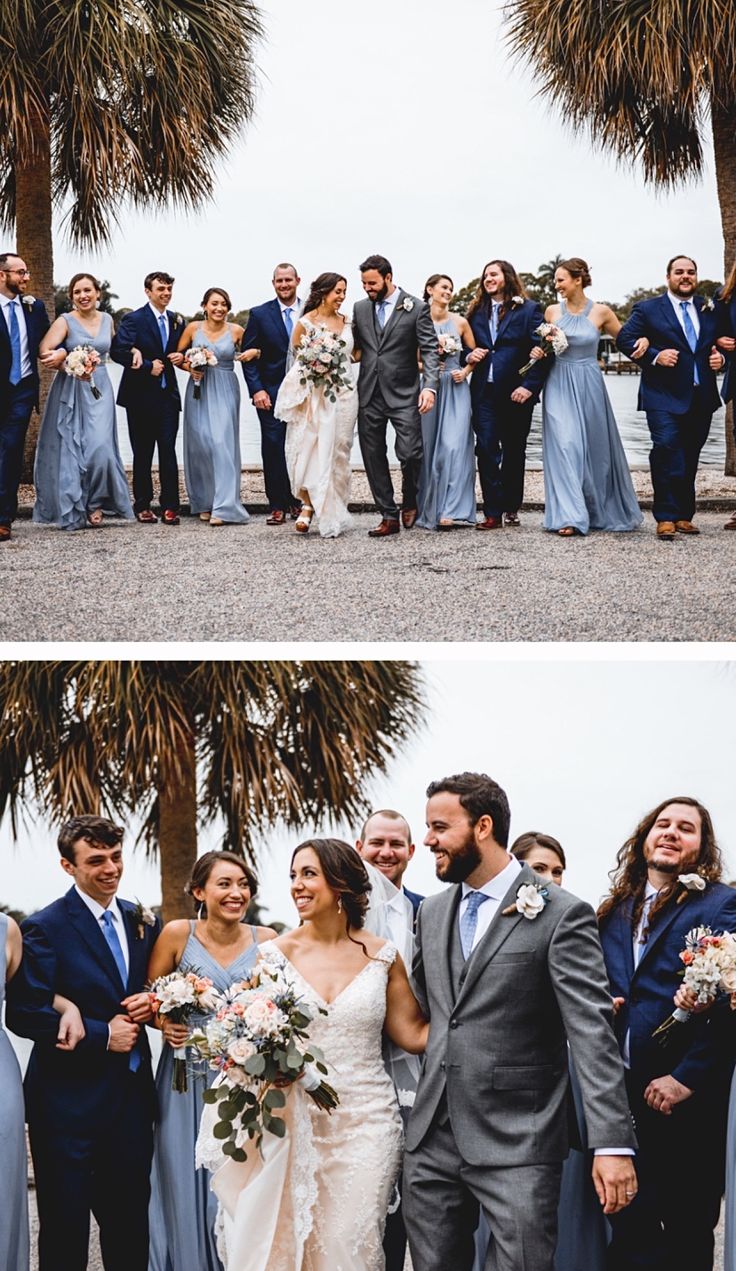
x,y
681,300
157,312
10,300
96,909
497,886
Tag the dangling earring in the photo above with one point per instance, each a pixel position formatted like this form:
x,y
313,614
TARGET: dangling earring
x,y
200,910
339,904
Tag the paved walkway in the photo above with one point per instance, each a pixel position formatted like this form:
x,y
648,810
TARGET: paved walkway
x,y
259,583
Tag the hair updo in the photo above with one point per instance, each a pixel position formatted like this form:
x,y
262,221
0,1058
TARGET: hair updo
x,y
525,843
432,282
217,291
577,268
78,278
203,868
345,874
318,291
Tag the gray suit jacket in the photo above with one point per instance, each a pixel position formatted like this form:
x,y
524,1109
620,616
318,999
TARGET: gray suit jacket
x,y
389,356
496,1060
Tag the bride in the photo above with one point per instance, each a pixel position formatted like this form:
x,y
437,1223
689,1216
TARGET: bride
x,y
318,1199
320,432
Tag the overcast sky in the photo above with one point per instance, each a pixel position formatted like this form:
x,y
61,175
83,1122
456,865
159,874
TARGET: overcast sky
x,y
583,747
408,132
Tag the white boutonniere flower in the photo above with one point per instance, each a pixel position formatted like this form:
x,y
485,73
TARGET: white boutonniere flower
x,y
178,320
517,302
143,918
407,304
708,306
29,300
693,882
530,901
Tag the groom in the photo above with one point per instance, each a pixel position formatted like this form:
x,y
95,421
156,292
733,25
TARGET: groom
x,y
507,972
90,1110
392,329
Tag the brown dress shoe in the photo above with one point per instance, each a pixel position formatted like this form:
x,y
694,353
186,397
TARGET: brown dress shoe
x,y
408,517
490,523
146,517
385,528
686,527
731,525
169,517
666,529
276,517
4,533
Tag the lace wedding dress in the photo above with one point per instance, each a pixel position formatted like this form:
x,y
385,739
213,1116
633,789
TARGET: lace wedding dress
x,y
319,439
318,1199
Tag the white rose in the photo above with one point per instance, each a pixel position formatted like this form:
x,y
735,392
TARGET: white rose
x,y
693,882
529,901
241,1049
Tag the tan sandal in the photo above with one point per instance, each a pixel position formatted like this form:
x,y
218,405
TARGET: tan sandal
x,y
567,531
95,518
205,516
304,519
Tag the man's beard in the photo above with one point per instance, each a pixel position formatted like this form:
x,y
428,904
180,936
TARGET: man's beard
x,y
462,862
381,295
665,867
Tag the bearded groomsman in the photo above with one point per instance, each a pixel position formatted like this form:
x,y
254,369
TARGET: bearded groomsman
x,y
678,389
23,325
392,331
269,329
145,345
666,883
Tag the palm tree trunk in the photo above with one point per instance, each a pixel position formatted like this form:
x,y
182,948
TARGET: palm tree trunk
x,y
724,145
177,797
35,243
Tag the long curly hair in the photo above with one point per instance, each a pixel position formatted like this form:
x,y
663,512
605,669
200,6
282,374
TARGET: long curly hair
x,y
629,876
513,286
321,287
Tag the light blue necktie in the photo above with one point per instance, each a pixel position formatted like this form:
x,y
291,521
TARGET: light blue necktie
x,y
469,920
690,332
164,340
381,311
113,940
288,322
15,365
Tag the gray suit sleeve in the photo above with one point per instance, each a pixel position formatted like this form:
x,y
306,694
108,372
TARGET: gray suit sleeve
x,y
427,341
417,977
581,988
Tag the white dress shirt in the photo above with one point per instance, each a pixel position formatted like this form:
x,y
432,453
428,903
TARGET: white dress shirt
x,y
400,917
495,889
97,910
677,303
158,315
638,948
26,367
390,303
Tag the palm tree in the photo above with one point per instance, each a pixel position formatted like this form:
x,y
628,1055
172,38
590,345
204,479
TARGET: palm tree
x,y
177,743
114,101
647,79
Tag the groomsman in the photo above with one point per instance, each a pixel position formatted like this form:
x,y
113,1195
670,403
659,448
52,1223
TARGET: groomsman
x,y
143,345
678,389
269,329
90,1110
23,325
667,883
386,843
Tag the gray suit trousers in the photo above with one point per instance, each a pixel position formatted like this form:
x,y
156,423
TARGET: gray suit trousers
x,y
441,1196
373,419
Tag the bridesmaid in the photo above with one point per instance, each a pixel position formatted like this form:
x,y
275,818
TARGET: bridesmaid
x,y
726,328
78,473
14,1242
212,419
220,946
447,476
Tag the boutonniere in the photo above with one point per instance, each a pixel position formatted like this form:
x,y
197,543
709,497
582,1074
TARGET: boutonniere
x,y
517,302
178,320
407,304
691,882
708,305
143,918
29,300
530,901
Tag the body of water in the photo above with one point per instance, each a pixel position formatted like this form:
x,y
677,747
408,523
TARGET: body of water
x,y
622,390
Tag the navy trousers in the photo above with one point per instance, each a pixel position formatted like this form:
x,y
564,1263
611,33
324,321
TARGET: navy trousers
x,y
677,441
501,432
275,475
149,428
15,412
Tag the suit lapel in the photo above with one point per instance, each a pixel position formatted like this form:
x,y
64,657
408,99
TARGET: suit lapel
x,y
153,326
444,930
136,948
498,932
671,320
663,924
90,932
277,322
394,317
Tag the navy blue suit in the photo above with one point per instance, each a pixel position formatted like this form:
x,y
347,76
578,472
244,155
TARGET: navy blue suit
x,y
681,1158
90,1117
152,403
678,412
415,901
502,426
266,331
17,401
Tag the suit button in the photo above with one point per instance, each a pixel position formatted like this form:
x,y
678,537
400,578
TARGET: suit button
x,y
453,1023
443,1066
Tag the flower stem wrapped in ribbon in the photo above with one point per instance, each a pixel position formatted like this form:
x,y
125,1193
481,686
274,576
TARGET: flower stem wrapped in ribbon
x,y
259,1044
198,359
180,996
551,340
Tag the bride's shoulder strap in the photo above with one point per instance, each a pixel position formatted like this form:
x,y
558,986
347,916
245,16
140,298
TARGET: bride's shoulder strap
x,y
387,953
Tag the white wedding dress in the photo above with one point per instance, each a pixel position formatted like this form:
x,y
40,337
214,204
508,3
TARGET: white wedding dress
x,y
319,438
318,1199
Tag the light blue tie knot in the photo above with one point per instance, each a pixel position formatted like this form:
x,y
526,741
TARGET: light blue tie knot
x,y
469,920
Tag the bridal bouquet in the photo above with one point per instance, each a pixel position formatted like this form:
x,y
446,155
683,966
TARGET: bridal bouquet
x,y
551,340
710,966
181,995
198,359
80,364
448,345
258,1043
322,359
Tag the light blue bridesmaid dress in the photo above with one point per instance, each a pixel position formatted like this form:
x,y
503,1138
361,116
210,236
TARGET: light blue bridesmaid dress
x,y
587,484
447,475
183,1209
212,435
78,468
14,1247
